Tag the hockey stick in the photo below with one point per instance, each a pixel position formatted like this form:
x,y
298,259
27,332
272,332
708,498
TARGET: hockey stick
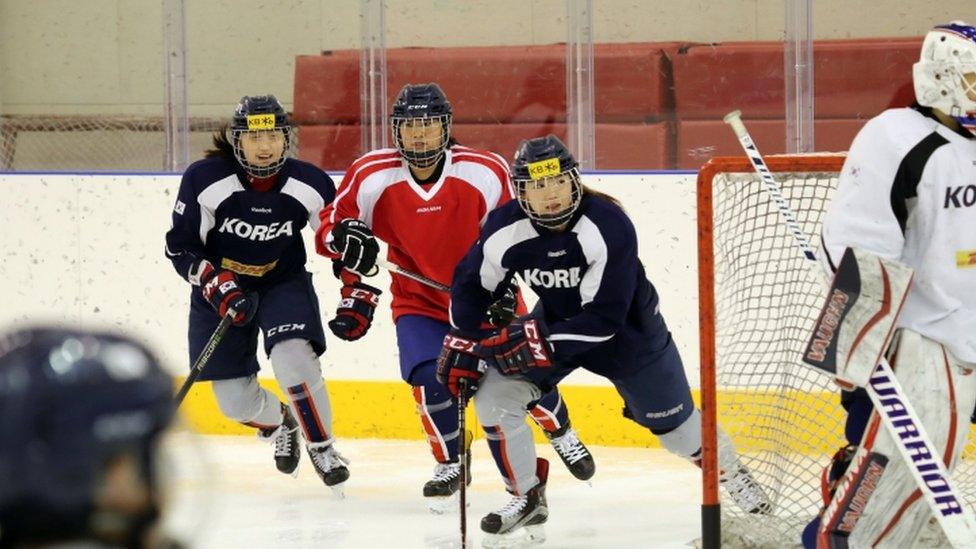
x,y
463,460
914,444
205,355
394,268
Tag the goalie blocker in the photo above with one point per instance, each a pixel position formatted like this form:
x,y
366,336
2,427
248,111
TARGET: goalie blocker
x,y
858,317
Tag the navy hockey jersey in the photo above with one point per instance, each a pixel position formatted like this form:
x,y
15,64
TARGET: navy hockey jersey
x,y
255,234
590,282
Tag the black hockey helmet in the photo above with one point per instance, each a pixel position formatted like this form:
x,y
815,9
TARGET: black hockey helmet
x,y
540,160
71,404
260,113
422,104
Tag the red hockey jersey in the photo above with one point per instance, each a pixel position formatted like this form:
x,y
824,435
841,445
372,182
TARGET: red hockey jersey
x,y
428,228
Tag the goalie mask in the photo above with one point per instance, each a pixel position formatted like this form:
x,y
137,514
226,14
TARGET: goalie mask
x,y
421,123
945,74
547,181
83,414
261,135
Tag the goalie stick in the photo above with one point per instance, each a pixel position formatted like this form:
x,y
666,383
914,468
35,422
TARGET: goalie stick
x,y
914,444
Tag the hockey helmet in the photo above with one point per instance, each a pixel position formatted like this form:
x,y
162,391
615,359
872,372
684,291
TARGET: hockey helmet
x,y
71,403
945,74
421,105
256,114
543,160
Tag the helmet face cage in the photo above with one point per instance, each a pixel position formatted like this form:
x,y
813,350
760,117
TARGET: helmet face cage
x,y
427,154
945,75
262,115
419,108
546,219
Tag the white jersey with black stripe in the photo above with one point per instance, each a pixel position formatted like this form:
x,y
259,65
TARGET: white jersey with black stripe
x,y
907,192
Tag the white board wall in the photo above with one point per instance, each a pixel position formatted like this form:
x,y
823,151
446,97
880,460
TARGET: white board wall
x,y
88,250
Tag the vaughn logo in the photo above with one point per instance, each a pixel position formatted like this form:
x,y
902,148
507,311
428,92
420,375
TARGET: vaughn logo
x,y
556,278
960,196
262,233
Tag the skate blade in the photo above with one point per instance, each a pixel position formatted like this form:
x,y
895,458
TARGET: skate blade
x,y
339,490
527,536
444,504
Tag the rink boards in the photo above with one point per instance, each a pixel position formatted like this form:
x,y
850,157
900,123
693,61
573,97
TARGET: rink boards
x,y
88,250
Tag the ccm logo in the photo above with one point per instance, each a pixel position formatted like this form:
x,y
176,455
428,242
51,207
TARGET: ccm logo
x,y
531,328
458,344
284,328
364,295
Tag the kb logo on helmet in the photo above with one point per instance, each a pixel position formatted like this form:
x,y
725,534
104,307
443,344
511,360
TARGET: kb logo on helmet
x,y
543,168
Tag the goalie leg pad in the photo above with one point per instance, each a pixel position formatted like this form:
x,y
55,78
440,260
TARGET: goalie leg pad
x,y
943,397
858,318
297,368
501,402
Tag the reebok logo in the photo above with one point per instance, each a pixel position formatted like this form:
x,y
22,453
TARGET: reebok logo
x,y
961,196
261,210
557,253
556,278
261,233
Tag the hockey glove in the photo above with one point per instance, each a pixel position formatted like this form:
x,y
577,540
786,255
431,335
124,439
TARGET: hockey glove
x,y
502,312
518,348
221,289
459,359
354,315
356,246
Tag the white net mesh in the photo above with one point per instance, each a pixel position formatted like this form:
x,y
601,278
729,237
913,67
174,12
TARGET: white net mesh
x,y
784,418
93,142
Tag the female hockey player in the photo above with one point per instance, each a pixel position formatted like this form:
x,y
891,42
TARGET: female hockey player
x,y
577,249
922,161
427,200
236,238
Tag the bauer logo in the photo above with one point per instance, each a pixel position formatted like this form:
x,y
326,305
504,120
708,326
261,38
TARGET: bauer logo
x,y
556,278
544,168
260,121
261,233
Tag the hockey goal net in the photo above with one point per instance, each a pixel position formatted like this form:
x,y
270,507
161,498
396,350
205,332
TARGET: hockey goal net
x,y
757,307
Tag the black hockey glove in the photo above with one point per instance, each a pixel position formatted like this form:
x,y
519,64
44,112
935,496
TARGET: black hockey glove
x,y
502,312
356,246
459,360
519,347
354,315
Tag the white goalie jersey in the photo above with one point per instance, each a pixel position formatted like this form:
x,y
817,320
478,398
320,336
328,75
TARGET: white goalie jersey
x,y
908,192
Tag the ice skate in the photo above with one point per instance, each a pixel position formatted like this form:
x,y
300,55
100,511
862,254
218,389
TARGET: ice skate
x,y
745,491
287,452
440,492
330,466
520,523
571,450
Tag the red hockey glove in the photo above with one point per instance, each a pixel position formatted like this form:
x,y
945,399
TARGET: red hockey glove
x,y
518,348
354,315
459,359
223,292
